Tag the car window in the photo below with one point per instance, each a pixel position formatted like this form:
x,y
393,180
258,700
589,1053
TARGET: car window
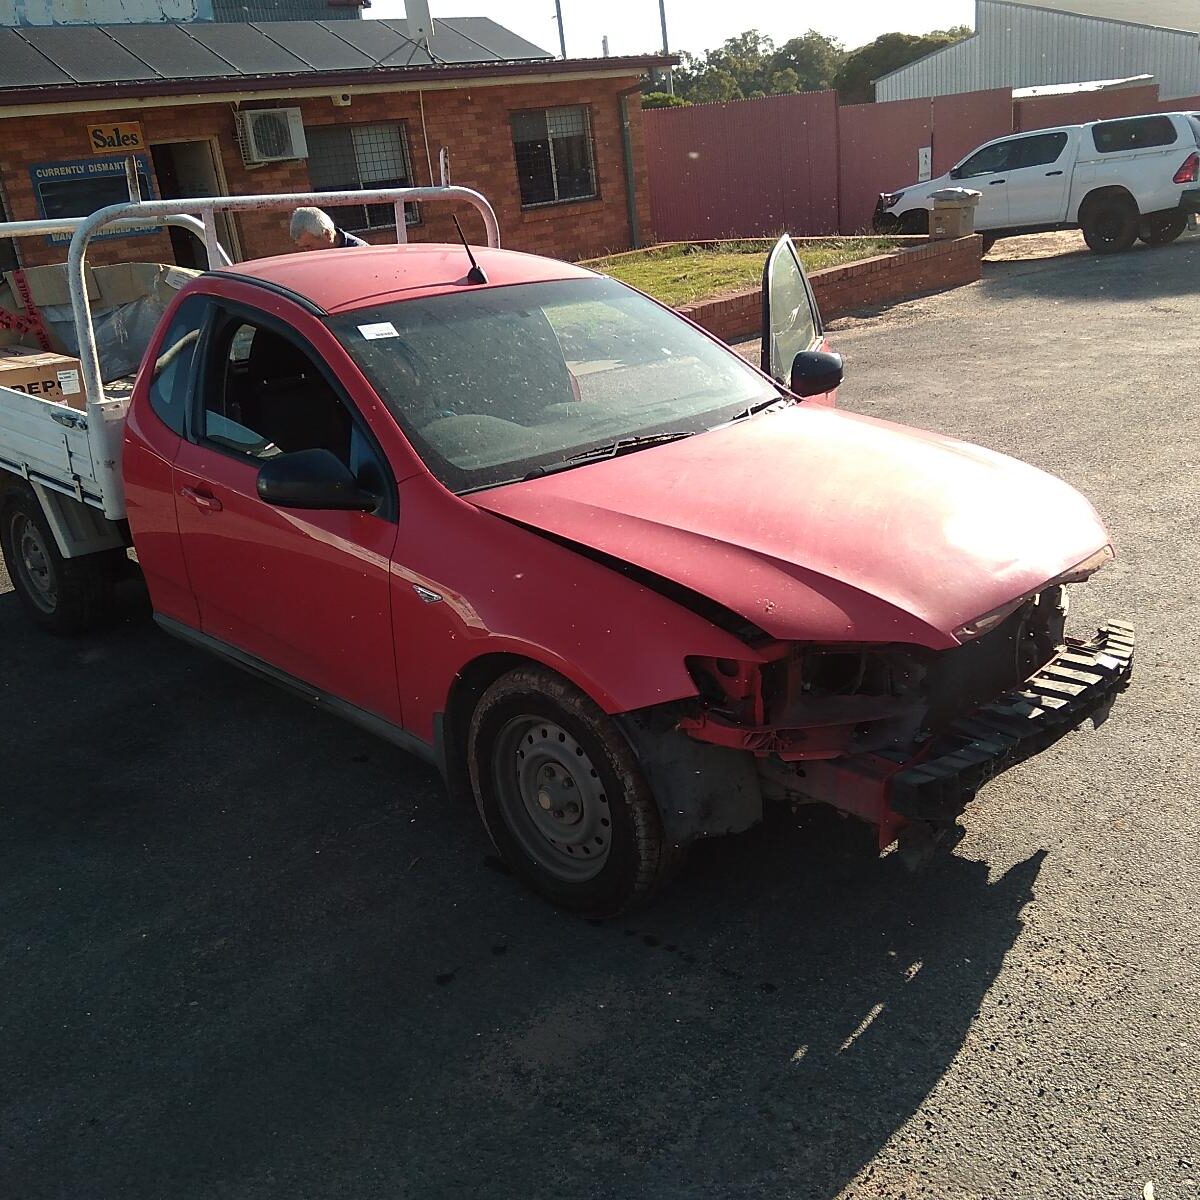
x,y
1137,133
1194,121
171,374
1036,151
265,396
492,384
987,161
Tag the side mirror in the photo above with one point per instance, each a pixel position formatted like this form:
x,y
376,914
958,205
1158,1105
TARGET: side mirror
x,y
815,372
955,172
312,479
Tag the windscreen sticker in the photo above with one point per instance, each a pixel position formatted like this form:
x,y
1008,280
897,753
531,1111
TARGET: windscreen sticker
x,y
381,329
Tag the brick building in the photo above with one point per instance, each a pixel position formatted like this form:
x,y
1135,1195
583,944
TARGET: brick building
x,y
555,145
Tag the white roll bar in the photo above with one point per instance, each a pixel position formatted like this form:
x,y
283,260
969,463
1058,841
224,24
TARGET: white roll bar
x,y
104,417
142,210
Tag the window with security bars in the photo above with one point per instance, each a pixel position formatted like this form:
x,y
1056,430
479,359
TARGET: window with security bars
x,y
345,157
553,147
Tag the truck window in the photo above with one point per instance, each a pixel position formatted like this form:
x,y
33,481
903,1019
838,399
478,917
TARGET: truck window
x,y
987,161
1036,151
1135,133
265,396
172,368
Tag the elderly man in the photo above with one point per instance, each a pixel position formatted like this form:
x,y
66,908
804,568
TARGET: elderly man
x,y
313,229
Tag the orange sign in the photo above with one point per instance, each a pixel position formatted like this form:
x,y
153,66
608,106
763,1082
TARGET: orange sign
x,y
104,139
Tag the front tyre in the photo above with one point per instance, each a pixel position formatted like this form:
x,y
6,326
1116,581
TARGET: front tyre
x,y
61,595
1110,224
563,798
1159,229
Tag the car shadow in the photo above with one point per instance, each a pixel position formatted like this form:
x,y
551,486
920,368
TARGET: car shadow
x,y
250,951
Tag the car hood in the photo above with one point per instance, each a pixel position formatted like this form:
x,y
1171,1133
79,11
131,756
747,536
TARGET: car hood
x,y
821,525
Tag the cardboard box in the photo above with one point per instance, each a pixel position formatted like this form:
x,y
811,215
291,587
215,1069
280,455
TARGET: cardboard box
x,y
39,373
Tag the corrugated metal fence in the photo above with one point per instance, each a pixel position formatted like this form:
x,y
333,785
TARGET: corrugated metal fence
x,y
753,168
747,169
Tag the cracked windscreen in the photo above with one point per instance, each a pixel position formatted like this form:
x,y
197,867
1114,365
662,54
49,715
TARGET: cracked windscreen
x,y
494,385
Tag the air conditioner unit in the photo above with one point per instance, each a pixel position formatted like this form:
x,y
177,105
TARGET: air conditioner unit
x,y
268,135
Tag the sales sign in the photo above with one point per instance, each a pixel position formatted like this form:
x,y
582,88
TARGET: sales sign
x,y
111,137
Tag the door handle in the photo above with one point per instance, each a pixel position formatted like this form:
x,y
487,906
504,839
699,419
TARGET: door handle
x,y
1049,173
202,500
993,182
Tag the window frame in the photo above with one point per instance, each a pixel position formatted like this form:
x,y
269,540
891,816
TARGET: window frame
x,y
223,312
1041,134
958,172
188,381
1145,119
590,136
412,212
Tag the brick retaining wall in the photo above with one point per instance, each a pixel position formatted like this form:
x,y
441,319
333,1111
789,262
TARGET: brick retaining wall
x,y
930,267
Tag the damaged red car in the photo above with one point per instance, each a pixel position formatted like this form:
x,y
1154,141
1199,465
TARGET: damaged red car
x,y
620,585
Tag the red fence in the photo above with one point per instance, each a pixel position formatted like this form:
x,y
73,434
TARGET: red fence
x,y
752,168
748,169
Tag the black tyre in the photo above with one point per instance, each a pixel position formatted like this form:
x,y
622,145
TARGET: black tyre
x,y
915,222
563,798
1109,224
1159,229
62,595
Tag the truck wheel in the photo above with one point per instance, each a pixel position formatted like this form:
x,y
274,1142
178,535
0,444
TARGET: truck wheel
x,y
62,595
1159,229
562,797
915,221
1109,224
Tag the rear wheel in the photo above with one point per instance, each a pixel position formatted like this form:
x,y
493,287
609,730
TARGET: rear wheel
x,y
1109,223
563,798
1159,229
62,595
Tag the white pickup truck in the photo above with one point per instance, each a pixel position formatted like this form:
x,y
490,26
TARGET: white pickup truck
x,y
1115,180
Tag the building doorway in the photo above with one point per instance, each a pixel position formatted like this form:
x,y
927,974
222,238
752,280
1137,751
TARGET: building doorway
x,y
184,170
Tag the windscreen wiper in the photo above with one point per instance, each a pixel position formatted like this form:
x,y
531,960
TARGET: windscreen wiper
x,y
763,405
625,445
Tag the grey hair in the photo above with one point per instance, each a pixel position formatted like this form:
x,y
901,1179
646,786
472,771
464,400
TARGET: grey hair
x,y
311,220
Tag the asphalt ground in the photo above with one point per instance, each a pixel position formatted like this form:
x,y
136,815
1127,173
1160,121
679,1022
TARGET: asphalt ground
x,y
247,951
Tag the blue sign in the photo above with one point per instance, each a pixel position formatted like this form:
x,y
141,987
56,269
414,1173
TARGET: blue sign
x,y
80,186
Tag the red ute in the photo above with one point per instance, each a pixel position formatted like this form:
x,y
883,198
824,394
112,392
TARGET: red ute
x,y
610,577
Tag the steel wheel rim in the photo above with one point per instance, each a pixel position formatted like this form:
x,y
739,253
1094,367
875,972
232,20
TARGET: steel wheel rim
x,y
35,564
553,799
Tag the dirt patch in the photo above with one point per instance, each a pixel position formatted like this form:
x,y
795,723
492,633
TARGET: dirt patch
x,y
1037,245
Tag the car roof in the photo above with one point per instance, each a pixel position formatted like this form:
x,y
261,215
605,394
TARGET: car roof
x,y
365,277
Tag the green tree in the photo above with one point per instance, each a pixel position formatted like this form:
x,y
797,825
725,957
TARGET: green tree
x,y
715,84
814,58
663,100
888,52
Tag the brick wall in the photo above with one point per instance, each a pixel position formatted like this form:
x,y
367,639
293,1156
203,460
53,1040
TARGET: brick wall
x,y
930,267
472,123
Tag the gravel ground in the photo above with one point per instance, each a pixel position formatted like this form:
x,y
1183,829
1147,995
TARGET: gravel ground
x,y
249,952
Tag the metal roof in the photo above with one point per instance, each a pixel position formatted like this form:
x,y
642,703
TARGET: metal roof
x,y
58,56
1165,14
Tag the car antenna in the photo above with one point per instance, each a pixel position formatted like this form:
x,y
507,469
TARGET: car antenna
x,y
475,274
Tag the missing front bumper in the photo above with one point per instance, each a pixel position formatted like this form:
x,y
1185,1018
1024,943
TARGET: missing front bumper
x,y
893,791
1079,683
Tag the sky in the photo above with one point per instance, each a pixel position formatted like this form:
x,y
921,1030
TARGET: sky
x,y
633,26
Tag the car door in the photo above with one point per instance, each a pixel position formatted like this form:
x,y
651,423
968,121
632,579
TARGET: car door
x,y
986,171
1038,178
304,591
791,319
